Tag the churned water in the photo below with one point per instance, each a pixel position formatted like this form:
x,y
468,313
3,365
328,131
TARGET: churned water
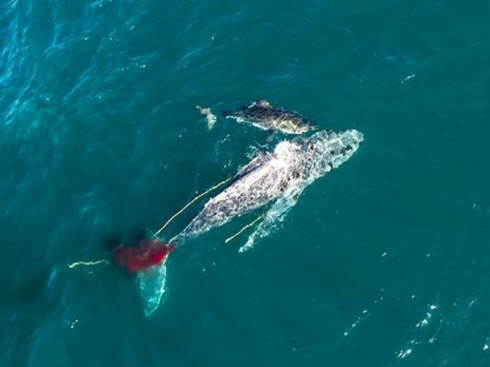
x,y
383,262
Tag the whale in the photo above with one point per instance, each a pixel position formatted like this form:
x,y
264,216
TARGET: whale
x,y
274,180
263,115
274,177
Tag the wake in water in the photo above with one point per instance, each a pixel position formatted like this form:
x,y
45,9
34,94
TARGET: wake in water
x,y
276,178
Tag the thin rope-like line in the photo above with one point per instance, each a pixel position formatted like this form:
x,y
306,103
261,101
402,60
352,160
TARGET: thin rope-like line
x,y
190,203
243,229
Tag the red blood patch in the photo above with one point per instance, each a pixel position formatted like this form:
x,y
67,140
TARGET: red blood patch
x,y
146,254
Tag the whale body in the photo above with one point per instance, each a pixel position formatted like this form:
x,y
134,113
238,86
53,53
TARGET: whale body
x,y
283,173
276,179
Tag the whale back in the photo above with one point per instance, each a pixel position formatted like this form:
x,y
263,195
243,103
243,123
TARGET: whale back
x,y
295,163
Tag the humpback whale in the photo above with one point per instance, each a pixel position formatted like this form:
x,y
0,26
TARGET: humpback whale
x,y
274,178
277,176
265,116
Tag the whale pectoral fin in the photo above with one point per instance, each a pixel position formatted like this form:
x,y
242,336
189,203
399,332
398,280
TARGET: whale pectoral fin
x,y
273,216
210,117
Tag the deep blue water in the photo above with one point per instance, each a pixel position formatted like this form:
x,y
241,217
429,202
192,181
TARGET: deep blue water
x,y
383,262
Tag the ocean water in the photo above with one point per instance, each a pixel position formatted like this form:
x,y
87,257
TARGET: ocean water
x,y
383,262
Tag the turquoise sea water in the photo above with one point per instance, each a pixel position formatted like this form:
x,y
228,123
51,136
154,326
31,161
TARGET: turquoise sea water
x,y
383,262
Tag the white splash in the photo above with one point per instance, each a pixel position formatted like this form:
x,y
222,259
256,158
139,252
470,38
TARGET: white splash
x,y
408,78
404,353
365,314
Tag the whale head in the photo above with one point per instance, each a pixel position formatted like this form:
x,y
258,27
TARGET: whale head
x,y
327,150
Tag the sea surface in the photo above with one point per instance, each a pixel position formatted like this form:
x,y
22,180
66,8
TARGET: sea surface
x,y
383,262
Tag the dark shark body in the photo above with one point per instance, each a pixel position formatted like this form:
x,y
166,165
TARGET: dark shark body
x,y
263,115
